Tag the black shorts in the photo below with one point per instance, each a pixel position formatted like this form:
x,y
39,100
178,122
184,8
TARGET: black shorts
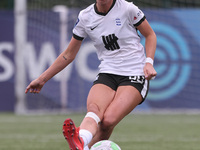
x,y
114,81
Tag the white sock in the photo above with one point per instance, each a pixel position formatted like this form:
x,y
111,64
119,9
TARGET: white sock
x,y
86,148
86,136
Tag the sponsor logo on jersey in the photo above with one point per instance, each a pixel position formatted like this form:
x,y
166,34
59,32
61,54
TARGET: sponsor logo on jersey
x,y
110,42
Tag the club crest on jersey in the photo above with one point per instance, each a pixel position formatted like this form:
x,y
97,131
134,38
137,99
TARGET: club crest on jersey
x,y
118,22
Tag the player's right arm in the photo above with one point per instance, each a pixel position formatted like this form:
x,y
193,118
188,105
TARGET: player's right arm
x,y
64,59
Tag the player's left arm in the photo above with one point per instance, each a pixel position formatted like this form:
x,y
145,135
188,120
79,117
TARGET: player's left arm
x,y
150,46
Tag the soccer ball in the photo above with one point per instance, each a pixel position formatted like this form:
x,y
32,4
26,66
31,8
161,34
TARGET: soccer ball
x,y
105,145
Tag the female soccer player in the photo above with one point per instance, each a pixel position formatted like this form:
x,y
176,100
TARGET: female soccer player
x,y
124,71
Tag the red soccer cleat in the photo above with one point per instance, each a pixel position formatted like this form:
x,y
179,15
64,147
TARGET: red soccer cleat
x,y
71,134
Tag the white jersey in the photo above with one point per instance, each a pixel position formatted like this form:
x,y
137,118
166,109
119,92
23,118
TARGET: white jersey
x,y
114,36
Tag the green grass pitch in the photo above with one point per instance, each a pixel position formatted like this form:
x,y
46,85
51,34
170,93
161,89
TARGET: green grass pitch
x,y
135,132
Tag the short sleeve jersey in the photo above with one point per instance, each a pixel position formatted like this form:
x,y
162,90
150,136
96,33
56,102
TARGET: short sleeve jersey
x,y
115,37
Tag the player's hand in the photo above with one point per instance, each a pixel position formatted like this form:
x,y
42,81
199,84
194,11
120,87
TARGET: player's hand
x,y
149,71
35,86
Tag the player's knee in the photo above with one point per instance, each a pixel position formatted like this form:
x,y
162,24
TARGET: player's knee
x,y
108,122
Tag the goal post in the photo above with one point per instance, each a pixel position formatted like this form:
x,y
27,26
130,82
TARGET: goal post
x,y
63,12
20,38
23,47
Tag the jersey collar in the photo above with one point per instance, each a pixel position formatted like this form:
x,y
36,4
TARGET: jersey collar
x,y
103,14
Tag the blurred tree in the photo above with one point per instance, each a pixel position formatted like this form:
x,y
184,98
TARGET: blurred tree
x,y
6,4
